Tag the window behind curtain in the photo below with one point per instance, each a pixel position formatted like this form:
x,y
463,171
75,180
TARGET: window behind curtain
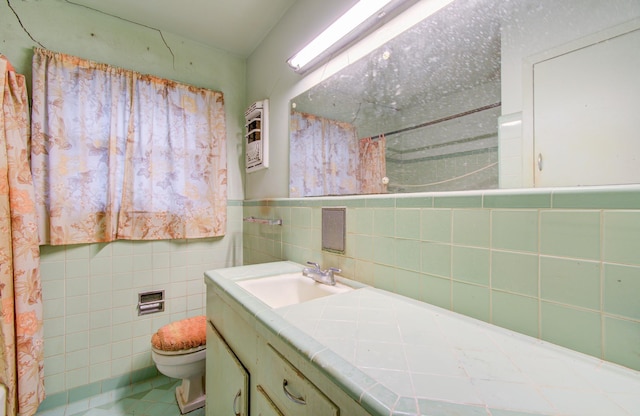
x,y
120,155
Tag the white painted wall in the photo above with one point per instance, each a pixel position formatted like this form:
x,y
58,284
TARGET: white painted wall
x,y
64,27
269,76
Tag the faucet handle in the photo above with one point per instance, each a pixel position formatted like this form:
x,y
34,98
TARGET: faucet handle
x,y
335,270
316,265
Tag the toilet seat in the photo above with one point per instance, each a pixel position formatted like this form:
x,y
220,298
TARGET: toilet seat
x,y
174,358
178,352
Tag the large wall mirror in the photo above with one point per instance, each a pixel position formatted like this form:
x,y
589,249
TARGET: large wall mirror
x,y
481,94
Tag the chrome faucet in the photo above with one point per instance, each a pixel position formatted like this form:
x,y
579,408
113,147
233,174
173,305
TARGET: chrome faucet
x,y
319,275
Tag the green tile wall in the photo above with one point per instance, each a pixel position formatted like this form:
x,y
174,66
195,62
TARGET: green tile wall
x,y
563,266
94,339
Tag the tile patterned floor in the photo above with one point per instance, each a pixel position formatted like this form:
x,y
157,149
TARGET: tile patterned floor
x,y
155,397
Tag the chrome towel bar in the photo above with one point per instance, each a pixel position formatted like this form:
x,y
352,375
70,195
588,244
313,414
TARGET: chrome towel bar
x,y
263,220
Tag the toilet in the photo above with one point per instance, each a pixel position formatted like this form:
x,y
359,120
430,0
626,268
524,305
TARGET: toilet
x,y
178,349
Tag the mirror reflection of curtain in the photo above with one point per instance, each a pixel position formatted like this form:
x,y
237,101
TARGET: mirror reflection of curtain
x,y
373,167
327,152
121,155
21,331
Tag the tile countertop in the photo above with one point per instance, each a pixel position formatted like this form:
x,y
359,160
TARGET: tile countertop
x,y
397,356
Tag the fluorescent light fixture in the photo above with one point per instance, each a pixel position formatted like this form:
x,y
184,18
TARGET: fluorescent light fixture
x,y
343,31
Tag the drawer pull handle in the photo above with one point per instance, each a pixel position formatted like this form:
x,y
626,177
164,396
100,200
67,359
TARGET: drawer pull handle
x,y
297,400
235,403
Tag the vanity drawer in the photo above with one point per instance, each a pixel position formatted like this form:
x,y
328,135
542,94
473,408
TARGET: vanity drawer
x,y
290,390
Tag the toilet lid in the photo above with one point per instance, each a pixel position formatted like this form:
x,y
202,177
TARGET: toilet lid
x,y
181,335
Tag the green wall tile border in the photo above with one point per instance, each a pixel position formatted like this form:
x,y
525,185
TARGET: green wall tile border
x,y
349,202
312,202
235,202
54,400
458,201
597,199
84,392
415,202
593,197
518,200
87,391
388,202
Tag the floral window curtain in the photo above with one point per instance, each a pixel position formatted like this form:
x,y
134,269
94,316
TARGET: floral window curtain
x,y
121,155
21,332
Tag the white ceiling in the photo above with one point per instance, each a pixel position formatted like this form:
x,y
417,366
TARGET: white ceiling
x,y
236,26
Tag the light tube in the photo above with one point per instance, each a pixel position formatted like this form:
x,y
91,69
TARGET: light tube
x,y
353,18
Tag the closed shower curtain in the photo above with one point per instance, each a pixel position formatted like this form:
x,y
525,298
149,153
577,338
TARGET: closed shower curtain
x,y
21,333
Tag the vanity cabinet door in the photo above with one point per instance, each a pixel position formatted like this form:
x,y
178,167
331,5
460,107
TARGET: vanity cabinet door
x,y
290,390
227,381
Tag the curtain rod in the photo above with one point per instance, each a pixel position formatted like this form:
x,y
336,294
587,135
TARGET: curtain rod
x,y
440,120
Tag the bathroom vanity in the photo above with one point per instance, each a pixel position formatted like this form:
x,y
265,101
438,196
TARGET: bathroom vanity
x,y
254,369
367,351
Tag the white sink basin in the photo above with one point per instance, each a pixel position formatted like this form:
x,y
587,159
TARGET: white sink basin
x,y
289,289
